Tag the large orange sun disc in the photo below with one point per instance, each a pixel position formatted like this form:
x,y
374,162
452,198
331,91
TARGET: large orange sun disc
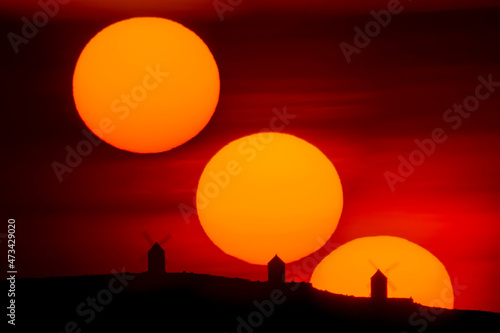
x,y
146,84
267,194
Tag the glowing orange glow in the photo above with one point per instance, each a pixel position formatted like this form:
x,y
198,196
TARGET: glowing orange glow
x,y
267,194
412,271
146,85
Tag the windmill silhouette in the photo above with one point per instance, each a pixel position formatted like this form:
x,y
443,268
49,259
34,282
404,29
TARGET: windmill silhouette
x,y
151,243
395,264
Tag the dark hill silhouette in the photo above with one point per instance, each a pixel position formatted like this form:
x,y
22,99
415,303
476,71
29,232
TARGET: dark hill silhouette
x,y
188,302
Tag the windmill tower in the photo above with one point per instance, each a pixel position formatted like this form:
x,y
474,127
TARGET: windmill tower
x,y
379,286
276,271
156,260
385,271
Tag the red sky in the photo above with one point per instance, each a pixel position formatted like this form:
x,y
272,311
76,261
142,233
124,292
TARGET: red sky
x,y
205,8
362,115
